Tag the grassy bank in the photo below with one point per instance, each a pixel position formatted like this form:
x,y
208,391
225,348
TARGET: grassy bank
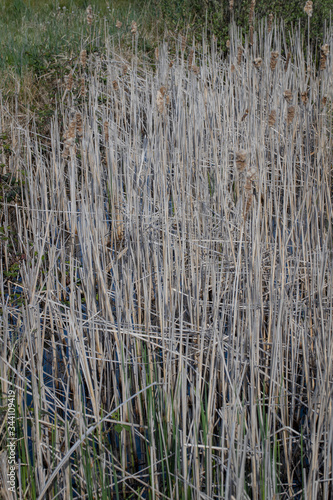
x,y
166,270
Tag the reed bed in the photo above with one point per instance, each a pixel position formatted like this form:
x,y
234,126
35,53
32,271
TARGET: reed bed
x,y
166,292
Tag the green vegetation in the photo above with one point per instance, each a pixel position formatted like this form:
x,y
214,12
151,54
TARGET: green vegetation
x,y
166,238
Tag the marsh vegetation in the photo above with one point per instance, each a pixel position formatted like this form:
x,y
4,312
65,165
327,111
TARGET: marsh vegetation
x,y
166,273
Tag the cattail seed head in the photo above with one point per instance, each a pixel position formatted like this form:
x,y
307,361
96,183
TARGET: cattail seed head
x,y
106,131
274,60
272,118
118,24
89,15
325,49
183,45
231,5
257,62
323,59
324,101
190,58
241,160
83,58
79,124
115,85
195,69
83,87
287,94
228,44
134,28
160,101
69,85
290,114
304,97
239,54
270,22
124,69
308,8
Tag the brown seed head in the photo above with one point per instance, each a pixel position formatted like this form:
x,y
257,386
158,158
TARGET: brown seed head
x,y
231,5
106,131
83,58
195,69
323,59
270,22
69,81
79,124
257,62
239,54
118,24
308,8
115,85
190,58
83,87
272,118
183,46
89,15
304,97
274,60
325,49
134,28
241,159
287,94
228,44
290,114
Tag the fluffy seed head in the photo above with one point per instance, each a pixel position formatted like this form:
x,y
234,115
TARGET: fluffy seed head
x,y
257,62
325,49
308,8
241,158
134,28
304,97
287,94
